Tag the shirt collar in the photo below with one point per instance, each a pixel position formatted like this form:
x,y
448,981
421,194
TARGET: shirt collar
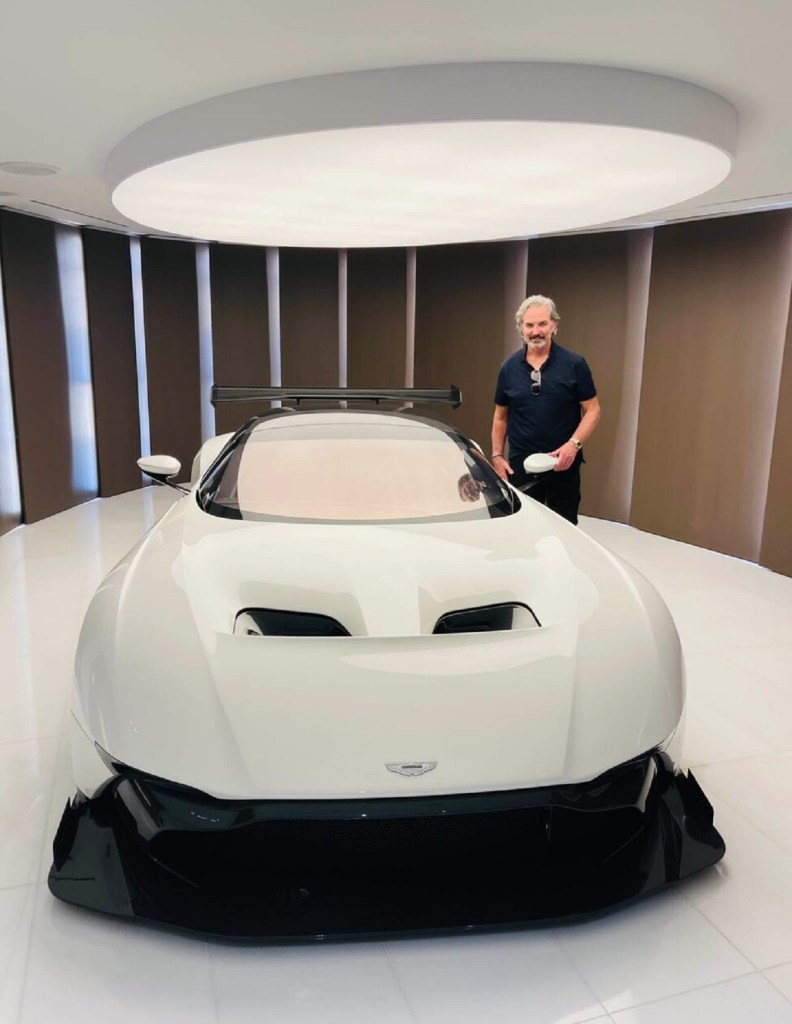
x,y
549,354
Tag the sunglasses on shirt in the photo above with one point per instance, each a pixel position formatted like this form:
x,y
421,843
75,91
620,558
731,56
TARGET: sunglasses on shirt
x,y
536,377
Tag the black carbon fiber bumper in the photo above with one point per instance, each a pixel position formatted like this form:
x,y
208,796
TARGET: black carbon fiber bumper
x,y
146,848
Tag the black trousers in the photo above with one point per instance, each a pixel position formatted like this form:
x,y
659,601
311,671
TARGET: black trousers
x,y
559,491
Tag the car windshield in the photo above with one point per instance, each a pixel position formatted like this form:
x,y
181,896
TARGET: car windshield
x,y
340,471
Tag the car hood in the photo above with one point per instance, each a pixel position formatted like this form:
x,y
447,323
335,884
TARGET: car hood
x,y
377,580
165,685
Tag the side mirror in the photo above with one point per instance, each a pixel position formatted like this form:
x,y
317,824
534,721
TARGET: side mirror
x,y
540,463
161,468
534,466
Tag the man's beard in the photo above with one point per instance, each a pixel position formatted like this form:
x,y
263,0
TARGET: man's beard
x,y
534,344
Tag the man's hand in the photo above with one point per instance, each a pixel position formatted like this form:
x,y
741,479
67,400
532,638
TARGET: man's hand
x,y
566,456
502,467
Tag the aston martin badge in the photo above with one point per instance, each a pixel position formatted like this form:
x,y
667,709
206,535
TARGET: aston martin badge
x,y
412,767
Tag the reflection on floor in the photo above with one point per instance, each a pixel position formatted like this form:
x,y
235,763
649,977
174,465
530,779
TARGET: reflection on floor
x,y
715,948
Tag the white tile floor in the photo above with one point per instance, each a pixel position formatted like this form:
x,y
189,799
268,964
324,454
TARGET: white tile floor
x,y
717,947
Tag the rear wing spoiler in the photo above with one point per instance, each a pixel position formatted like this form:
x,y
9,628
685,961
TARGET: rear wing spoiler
x,y
428,396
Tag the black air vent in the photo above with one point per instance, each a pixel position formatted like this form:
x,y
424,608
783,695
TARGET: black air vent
x,y
487,619
273,622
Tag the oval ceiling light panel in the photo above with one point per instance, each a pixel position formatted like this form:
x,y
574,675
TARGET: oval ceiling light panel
x,y
424,155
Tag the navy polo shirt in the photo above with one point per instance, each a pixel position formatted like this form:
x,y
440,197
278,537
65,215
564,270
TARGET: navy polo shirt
x,y
543,422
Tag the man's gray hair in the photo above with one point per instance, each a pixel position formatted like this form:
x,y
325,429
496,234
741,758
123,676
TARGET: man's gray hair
x,y
535,300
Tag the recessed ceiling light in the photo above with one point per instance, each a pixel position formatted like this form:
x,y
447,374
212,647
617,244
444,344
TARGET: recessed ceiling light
x,y
25,167
415,156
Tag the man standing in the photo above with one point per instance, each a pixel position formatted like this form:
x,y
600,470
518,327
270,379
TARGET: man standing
x,y
545,401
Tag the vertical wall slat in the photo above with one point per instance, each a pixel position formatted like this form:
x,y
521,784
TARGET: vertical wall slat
x,y
409,341
776,549
108,290
170,305
309,317
515,257
377,317
205,339
459,329
718,307
240,327
10,495
343,318
38,365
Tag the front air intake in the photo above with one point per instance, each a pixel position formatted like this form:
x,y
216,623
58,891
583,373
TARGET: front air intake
x,y
274,622
488,618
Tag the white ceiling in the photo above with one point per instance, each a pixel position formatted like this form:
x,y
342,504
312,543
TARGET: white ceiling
x,y
76,78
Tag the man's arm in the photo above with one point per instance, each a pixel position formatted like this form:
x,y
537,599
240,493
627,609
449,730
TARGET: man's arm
x,y
568,451
500,422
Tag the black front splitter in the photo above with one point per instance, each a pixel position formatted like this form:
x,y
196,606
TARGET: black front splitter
x,y
283,870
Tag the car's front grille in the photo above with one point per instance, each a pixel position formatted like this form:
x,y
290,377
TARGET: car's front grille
x,y
310,868
380,848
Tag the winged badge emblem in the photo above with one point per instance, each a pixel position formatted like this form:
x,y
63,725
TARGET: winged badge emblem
x,y
411,767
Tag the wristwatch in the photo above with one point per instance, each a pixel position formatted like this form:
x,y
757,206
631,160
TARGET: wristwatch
x,y
576,443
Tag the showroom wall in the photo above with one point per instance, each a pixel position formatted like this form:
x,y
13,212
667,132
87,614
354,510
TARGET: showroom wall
x,y
686,328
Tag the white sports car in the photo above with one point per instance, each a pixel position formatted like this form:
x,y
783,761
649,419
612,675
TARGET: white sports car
x,y
353,683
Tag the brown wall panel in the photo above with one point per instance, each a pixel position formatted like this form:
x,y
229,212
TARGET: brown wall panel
x,y
309,317
38,365
588,277
459,328
376,317
240,327
776,550
514,291
111,324
718,308
170,305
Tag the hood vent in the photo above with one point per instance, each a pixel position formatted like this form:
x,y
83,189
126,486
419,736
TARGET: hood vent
x,y
274,622
487,619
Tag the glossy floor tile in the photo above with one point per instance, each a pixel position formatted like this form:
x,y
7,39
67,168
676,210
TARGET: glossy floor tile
x,y
26,779
748,896
649,950
715,948
781,977
500,978
349,983
85,963
749,1000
